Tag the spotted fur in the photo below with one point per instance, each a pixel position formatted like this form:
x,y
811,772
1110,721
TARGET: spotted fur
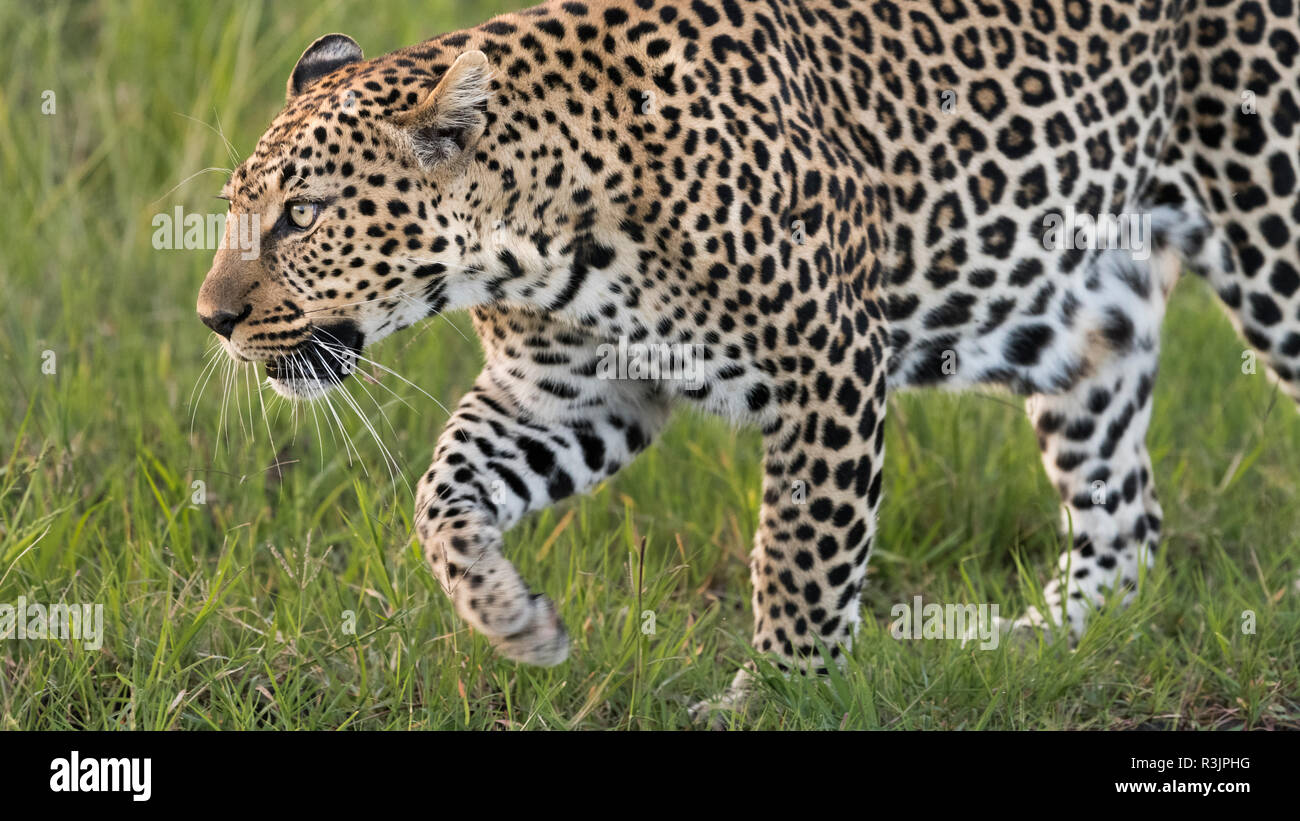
x,y
831,199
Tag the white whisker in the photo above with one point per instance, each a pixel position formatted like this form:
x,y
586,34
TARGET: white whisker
x,y
389,461
397,375
190,177
230,149
348,447
201,384
227,370
266,421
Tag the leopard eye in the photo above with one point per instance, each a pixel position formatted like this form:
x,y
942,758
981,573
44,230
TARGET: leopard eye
x,y
303,214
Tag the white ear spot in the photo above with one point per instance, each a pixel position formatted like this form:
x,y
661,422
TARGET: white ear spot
x,y
327,54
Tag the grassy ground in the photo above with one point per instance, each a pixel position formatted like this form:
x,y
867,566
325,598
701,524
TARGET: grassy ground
x,y
234,613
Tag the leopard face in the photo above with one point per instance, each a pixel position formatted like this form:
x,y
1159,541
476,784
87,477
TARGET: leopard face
x,y
361,203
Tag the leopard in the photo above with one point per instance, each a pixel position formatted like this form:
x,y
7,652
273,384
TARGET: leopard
x,y
825,200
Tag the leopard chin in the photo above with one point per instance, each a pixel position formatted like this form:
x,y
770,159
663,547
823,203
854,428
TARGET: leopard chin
x,y
319,363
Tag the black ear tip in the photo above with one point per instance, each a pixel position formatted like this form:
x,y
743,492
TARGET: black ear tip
x,y
328,53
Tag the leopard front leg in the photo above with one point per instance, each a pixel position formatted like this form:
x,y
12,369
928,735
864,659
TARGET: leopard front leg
x,y
824,453
521,439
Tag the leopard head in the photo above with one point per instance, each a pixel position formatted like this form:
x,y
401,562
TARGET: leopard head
x,y
345,221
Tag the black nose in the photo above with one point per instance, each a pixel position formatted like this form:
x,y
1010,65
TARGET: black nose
x,y
224,322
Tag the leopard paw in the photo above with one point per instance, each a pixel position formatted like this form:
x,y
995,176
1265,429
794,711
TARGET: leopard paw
x,y
541,641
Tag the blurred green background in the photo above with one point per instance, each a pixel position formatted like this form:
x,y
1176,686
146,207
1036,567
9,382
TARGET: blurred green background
x,y
295,596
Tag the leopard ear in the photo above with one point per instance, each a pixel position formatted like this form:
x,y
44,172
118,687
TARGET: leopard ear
x,y
443,127
328,53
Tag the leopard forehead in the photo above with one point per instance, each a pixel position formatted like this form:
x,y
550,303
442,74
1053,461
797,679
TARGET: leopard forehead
x,y
335,130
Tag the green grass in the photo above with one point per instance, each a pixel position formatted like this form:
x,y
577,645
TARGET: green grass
x,y
232,614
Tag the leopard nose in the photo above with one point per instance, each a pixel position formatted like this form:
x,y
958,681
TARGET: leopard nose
x,y
224,322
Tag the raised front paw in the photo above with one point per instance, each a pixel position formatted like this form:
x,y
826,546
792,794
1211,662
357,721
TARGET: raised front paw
x,y
542,640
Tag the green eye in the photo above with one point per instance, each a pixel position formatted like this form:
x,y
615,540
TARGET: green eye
x,y
303,214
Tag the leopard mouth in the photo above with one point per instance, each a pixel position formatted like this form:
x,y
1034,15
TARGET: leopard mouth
x,y
322,361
